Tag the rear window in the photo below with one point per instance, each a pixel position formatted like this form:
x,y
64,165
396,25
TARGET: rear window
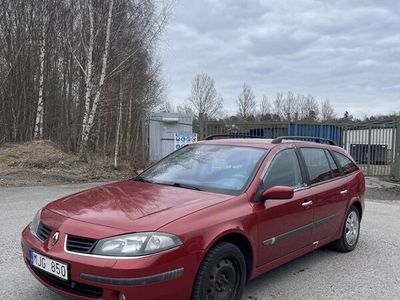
x,y
348,166
317,164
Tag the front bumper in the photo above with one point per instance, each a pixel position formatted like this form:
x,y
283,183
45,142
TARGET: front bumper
x,y
169,275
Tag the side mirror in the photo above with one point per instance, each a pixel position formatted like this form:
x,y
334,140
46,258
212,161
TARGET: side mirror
x,y
138,171
278,192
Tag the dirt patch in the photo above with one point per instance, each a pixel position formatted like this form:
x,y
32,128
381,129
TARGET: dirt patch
x,y
43,163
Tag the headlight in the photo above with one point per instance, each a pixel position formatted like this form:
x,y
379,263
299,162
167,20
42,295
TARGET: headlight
x,y
136,244
34,225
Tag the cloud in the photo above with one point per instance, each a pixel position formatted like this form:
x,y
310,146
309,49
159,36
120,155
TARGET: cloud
x,y
347,51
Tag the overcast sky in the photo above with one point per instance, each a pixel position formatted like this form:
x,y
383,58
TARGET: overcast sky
x,y
347,51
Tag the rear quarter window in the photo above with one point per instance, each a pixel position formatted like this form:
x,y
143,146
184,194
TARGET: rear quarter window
x,y
348,166
332,164
317,164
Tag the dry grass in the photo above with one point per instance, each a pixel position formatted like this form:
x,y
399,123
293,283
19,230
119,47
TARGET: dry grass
x,y
43,163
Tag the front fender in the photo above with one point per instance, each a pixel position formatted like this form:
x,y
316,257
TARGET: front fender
x,y
203,229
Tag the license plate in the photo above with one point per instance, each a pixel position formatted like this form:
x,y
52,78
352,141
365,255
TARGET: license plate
x,y
49,265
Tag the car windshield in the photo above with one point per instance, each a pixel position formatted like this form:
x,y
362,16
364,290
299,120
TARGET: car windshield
x,y
213,168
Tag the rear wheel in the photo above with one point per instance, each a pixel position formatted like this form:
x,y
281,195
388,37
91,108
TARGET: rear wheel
x,y
351,231
222,274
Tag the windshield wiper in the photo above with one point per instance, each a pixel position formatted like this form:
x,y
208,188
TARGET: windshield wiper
x,y
142,179
185,186
177,184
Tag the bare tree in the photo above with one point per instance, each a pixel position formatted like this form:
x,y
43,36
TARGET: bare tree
x,y
91,104
264,106
60,65
296,107
327,111
246,102
166,106
38,132
302,107
290,107
119,121
278,106
312,108
184,109
204,98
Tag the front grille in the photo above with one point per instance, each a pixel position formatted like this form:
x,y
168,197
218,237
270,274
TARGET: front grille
x,y
80,244
43,232
70,286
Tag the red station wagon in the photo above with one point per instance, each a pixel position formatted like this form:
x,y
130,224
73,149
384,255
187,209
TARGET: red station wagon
x,y
199,223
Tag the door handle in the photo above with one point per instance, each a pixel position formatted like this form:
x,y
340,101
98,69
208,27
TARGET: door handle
x,y
343,192
308,203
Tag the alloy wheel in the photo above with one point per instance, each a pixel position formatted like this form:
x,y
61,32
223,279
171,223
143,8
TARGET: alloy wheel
x,y
352,228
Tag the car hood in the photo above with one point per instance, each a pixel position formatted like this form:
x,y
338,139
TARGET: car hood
x,y
134,206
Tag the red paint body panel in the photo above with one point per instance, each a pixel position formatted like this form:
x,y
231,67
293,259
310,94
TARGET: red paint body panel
x,y
133,206
276,230
276,217
329,204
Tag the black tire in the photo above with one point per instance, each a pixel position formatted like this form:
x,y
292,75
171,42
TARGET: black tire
x,y
221,275
348,243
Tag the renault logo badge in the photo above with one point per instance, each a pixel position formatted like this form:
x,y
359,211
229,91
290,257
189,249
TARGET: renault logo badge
x,y
55,237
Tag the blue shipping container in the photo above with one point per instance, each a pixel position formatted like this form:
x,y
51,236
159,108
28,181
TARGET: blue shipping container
x,y
325,131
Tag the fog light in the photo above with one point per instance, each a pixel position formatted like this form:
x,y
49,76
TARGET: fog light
x,y
121,296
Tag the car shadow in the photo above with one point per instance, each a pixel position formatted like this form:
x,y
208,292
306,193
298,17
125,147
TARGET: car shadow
x,y
289,272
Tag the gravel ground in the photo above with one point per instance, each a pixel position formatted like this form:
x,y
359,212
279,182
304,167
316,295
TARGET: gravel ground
x,y
370,272
382,190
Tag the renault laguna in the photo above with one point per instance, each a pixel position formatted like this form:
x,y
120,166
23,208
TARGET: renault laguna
x,y
199,223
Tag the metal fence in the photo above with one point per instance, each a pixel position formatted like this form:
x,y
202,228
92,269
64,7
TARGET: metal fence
x,y
374,145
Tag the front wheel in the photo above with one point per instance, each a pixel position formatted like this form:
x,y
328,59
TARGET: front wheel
x,y
222,274
351,231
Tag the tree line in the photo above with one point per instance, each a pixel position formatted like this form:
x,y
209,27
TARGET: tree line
x,y
82,73
204,99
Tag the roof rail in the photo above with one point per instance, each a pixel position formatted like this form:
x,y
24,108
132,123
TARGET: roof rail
x,y
279,140
232,135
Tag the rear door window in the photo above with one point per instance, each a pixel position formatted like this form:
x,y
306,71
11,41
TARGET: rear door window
x,y
348,166
317,164
284,170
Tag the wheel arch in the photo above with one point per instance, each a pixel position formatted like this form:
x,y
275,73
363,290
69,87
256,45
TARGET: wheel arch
x,y
357,204
240,240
